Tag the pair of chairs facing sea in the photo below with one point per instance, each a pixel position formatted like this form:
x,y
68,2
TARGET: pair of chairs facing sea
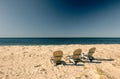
x,y
77,56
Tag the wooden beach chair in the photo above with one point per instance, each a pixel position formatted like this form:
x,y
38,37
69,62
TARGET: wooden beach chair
x,y
75,58
57,56
90,54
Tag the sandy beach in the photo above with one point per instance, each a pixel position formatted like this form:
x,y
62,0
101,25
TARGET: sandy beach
x,y
33,62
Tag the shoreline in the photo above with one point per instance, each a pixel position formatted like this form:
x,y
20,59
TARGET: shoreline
x,y
52,44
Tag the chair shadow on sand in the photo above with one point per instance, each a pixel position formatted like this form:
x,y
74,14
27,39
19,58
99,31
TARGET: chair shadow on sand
x,y
102,59
74,65
98,60
69,64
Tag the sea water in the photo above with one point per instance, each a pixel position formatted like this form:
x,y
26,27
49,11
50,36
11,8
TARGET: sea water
x,y
57,41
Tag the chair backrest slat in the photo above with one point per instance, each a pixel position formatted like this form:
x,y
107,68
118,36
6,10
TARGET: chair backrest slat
x,y
57,56
76,54
91,51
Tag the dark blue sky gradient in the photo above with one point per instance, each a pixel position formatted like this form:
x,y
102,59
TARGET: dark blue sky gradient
x,y
59,18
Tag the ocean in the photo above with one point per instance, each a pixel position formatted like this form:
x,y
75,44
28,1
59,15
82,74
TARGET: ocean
x,y
57,41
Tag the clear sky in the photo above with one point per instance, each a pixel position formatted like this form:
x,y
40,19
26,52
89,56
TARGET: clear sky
x,y
59,18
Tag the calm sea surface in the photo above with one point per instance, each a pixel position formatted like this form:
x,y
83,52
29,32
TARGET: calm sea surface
x,y
57,41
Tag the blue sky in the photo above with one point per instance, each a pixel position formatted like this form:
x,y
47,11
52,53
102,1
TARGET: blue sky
x,y
59,18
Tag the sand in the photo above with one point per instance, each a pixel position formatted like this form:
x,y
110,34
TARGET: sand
x,y
33,62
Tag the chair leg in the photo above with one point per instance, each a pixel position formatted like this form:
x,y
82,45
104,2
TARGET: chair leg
x,y
63,63
51,60
91,60
55,64
76,62
72,61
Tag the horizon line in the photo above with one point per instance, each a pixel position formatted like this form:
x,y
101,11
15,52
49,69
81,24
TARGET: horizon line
x,y
59,37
